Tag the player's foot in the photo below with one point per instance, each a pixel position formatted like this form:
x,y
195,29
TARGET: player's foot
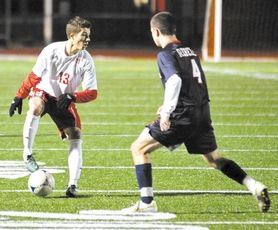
x,y
71,191
31,164
262,196
141,207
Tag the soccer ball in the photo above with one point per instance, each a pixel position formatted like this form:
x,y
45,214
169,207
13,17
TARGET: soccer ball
x,y
41,183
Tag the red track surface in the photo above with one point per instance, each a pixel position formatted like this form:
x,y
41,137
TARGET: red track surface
x,y
129,53
139,53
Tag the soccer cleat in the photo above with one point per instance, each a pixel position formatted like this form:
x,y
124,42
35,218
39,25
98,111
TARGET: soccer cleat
x,y
71,191
31,164
141,207
262,196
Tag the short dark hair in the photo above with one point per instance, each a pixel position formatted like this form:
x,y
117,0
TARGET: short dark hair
x,y
165,22
75,24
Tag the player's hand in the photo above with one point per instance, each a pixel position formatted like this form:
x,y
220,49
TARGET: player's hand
x,y
16,104
65,100
164,124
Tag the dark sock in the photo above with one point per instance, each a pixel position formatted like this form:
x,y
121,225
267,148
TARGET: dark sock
x,y
144,179
231,169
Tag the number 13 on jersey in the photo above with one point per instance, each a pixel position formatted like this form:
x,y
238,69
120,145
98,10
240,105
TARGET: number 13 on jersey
x,y
64,78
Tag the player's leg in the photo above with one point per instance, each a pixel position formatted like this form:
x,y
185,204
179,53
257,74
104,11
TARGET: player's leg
x,y
235,172
141,149
226,166
31,124
74,159
69,124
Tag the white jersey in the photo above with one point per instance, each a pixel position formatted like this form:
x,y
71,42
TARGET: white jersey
x,y
60,73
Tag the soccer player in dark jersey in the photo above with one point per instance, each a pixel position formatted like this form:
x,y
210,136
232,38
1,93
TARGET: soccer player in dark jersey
x,y
184,118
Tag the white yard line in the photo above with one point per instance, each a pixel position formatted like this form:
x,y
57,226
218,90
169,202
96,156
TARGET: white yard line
x,y
170,168
233,105
4,167
135,135
16,169
131,114
235,72
144,123
229,223
220,136
131,99
124,225
100,225
127,149
162,192
92,219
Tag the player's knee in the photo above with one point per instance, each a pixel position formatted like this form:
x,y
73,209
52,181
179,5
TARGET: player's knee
x,y
36,106
212,164
73,133
218,163
37,111
213,159
139,154
135,149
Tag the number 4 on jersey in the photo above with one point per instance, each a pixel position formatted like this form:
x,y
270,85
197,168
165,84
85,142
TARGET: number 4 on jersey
x,y
195,71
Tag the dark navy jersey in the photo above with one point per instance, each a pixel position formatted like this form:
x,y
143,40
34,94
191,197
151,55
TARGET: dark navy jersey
x,y
181,60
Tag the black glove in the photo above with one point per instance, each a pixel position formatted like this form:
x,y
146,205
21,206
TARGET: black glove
x,y
64,100
16,104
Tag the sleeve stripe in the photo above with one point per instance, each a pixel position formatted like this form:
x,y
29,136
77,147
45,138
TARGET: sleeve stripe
x,y
86,95
30,81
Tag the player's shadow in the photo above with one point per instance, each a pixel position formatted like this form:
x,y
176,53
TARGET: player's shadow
x,y
201,193
272,210
80,196
83,196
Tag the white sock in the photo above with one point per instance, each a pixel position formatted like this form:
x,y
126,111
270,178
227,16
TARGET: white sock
x,y
30,129
146,192
75,161
250,183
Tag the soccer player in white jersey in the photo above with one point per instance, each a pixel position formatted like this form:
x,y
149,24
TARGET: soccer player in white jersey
x,y
51,88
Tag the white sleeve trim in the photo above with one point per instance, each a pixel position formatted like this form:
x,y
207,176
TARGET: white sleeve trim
x,y
171,95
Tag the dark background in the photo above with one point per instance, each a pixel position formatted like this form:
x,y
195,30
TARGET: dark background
x,y
247,24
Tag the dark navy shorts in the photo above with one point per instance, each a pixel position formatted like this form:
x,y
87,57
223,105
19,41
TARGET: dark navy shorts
x,y
196,133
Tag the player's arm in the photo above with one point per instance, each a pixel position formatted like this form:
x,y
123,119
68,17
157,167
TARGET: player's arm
x,y
171,95
66,99
30,81
86,95
89,86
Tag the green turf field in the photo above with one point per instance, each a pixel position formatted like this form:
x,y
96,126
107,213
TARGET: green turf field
x,y
244,107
